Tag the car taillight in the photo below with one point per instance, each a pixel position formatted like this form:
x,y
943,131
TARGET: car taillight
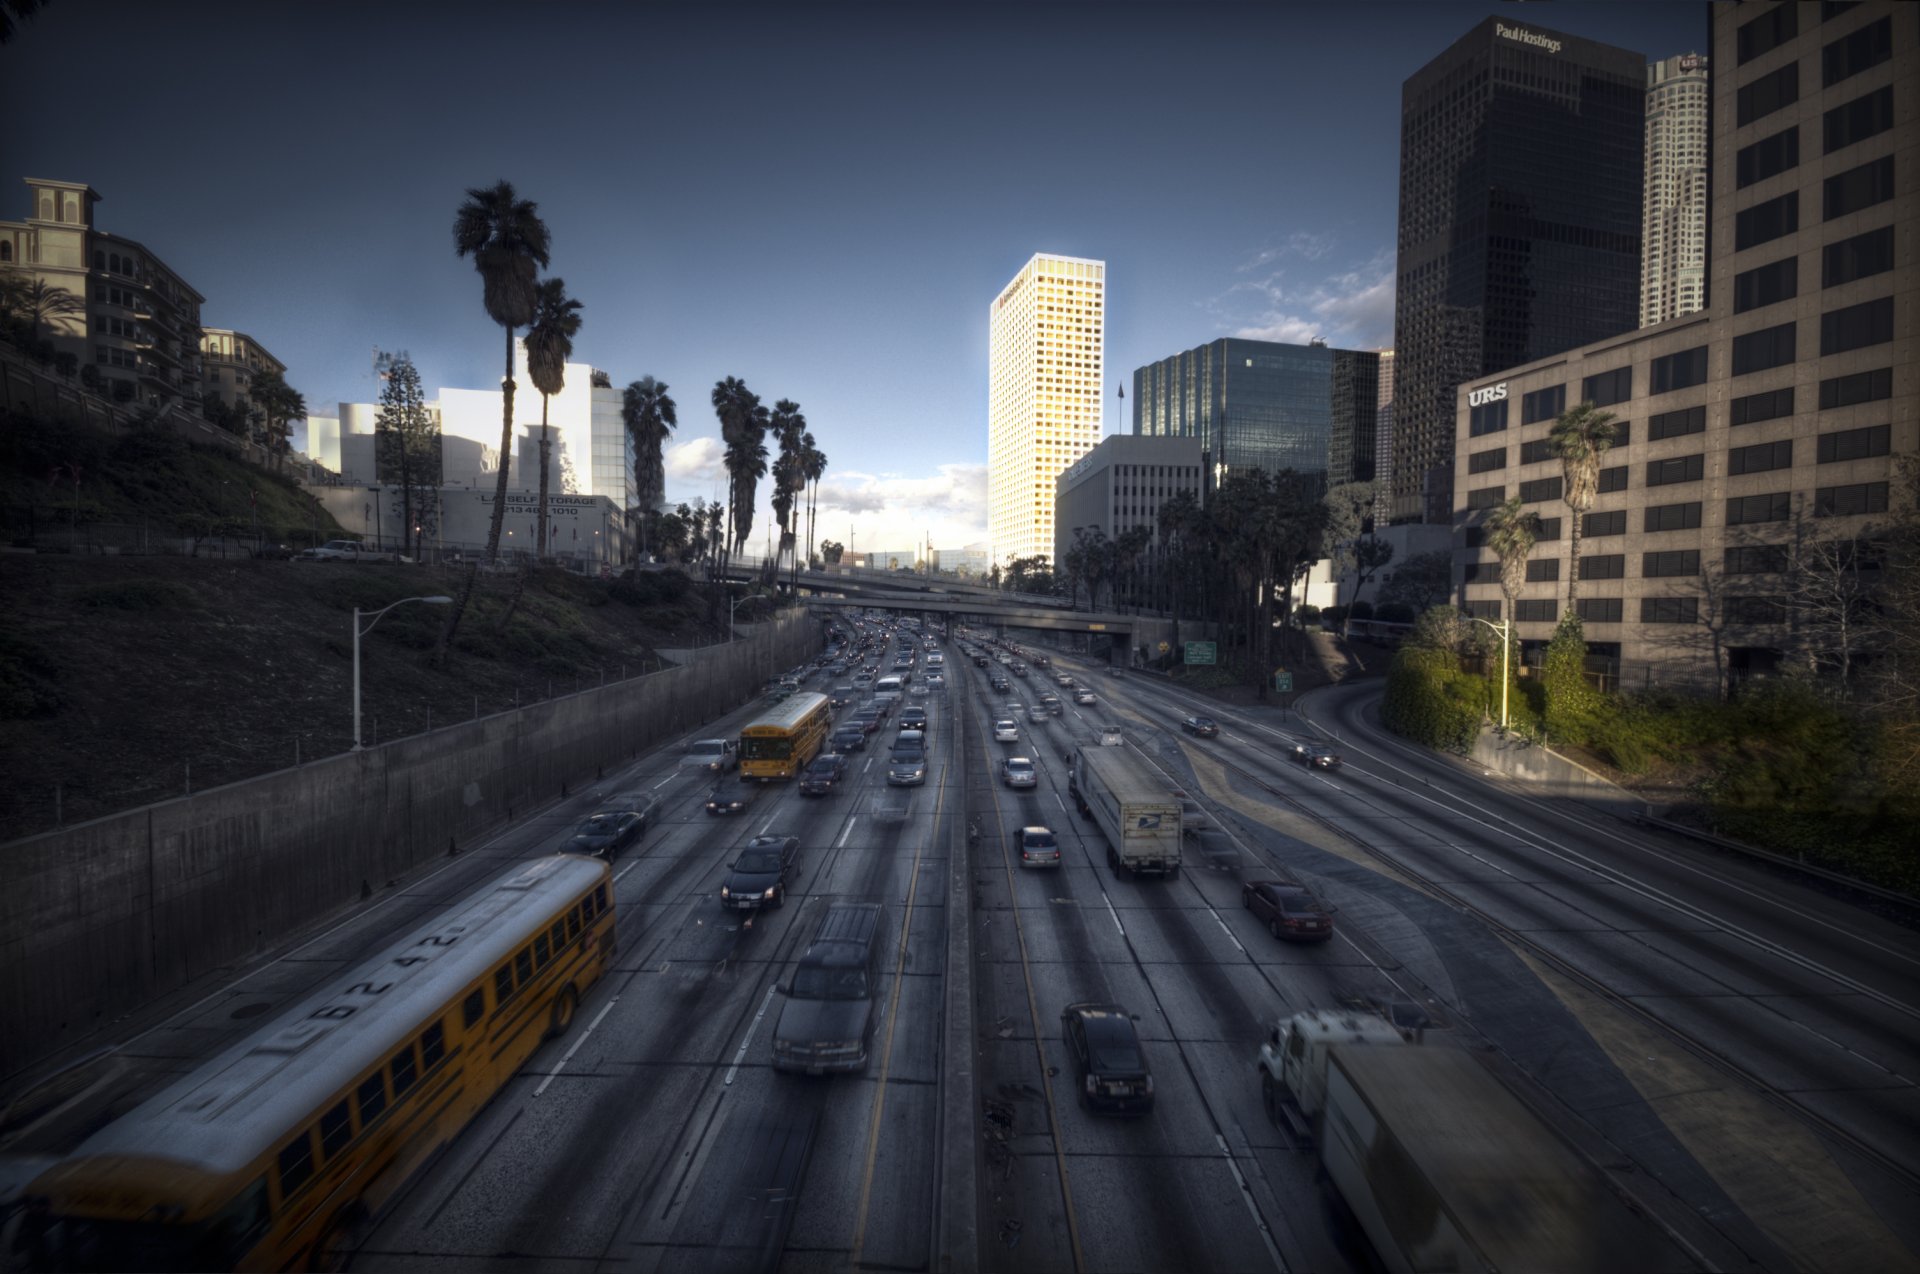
x,y
1093,1085
1147,1087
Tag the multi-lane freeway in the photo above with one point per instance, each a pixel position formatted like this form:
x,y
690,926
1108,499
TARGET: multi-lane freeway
x,y
1730,1047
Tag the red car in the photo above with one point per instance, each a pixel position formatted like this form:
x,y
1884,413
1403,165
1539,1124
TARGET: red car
x,y
1290,911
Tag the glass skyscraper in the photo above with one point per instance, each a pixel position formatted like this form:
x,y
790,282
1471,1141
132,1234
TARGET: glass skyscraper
x,y
1522,161
1259,404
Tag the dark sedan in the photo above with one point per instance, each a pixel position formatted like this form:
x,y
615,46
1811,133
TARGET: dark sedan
x,y
1290,911
1315,756
823,774
732,796
605,834
1202,727
760,876
849,738
1108,1062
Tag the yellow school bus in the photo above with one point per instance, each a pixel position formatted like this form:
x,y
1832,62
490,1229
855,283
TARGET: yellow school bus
x,y
281,1150
786,737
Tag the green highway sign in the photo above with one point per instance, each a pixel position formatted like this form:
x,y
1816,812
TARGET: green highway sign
x,y
1201,652
1283,681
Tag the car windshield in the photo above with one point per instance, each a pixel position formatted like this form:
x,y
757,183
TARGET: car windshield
x,y
814,982
1005,725
598,825
758,861
1019,767
824,766
708,747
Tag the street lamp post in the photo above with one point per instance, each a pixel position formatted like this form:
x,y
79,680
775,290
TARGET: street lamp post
x,y
373,617
1504,627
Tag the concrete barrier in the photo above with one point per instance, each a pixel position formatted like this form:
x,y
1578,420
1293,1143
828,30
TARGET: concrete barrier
x,y
99,918
1550,774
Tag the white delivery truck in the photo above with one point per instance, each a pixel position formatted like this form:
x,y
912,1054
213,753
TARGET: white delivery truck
x,y
1133,805
1439,1163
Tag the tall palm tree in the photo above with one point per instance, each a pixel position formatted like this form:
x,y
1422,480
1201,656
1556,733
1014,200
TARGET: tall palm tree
x,y
508,242
1581,435
735,406
556,321
746,461
650,415
1511,531
816,467
788,427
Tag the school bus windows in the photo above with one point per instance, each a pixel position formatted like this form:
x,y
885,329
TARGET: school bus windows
x,y
296,1163
523,965
403,1070
558,935
433,1046
502,984
573,924
336,1129
473,1008
373,1098
540,951
599,899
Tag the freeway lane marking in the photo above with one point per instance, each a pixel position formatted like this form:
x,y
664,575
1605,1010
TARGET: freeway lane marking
x,y
624,870
663,782
851,820
1116,915
1223,929
562,1064
748,1037
1246,1197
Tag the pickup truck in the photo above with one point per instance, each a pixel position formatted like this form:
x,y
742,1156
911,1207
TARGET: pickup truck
x,y
345,551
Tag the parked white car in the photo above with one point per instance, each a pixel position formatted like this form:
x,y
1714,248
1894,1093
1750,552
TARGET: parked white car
x,y
1005,731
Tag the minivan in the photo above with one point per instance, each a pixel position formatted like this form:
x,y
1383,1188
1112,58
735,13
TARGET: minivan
x,y
887,688
828,1019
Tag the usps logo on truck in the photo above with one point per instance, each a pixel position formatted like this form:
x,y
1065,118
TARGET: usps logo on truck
x,y
1146,823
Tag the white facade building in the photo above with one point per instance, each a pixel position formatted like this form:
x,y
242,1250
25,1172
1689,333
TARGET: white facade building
x,y
1046,365
1673,263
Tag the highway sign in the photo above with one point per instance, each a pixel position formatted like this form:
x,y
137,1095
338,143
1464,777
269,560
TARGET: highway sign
x,y
1201,652
1283,681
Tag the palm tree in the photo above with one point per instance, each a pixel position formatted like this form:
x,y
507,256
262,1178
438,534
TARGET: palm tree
x,y
746,461
816,466
556,320
736,406
1511,531
36,303
508,242
789,427
1581,435
650,415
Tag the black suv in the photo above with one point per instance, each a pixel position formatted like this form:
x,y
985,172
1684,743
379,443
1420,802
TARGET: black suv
x,y
760,876
1107,1058
823,774
1204,727
732,796
605,834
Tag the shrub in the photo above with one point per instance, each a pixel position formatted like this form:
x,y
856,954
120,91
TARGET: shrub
x,y
1394,613
1334,616
1430,701
1308,614
1361,609
1440,628
1573,705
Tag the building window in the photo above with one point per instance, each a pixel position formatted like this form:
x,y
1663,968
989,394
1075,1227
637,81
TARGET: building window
x,y
1549,531
1482,609
1608,388
1543,404
1669,563
1664,473
1851,500
1673,517
1600,610
1769,93
1860,387
1597,525
1851,54
1487,418
1760,457
1614,479
1487,461
1767,157
1540,489
1756,610
1855,444
1766,285
1756,559
1857,258
1604,566
1473,572
1746,510
1543,570
1536,451
1486,497
1765,222
1669,610
1768,31
1857,188
1536,610
1675,424
1678,371
1857,326
1754,408
1758,351
1858,120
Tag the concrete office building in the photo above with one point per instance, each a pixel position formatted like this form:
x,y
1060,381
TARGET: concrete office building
x,y
1046,355
1521,167
1673,268
1383,425
1764,425
1122,483
1261,404
585,531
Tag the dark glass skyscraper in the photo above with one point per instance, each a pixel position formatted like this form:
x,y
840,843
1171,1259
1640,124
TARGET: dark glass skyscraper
x,y
1253,404
1521,168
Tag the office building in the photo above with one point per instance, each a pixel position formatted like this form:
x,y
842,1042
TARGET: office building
x,y
1673,272
1046,359
1261,404
138,336
1122,483
1383,425
1355,409
1765,428
229,361
1521,167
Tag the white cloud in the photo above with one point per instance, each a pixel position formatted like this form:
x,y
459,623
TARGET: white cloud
x,y
1353,308
695,460
866,510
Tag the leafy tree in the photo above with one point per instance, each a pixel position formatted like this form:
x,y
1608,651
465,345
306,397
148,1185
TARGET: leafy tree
x,y
1419,582
1832,587
1580,437
1572,704
1030,574
1355,549
407,451
556,321
649,414
831,551
276,405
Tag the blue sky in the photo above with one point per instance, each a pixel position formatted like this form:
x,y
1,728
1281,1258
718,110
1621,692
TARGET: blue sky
x,y
820,199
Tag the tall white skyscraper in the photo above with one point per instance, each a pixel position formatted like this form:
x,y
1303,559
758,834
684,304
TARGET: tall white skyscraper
x,y
1673,264
1046,360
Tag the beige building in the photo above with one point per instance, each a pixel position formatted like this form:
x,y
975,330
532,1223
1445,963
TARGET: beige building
x,y
1122,483
140,329
229,361
1046,354
1766,425
1673,262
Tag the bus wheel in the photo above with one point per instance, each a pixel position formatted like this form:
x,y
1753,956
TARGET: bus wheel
x,y
563,1008
342,1237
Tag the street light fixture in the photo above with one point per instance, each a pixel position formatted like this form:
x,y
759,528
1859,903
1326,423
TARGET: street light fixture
x,y
373,617
1504,627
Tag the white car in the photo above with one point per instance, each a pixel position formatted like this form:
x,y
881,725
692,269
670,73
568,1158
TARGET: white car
x,y
1083,696
936,682
1019,771
1037,714
1005,731
717,755
918,690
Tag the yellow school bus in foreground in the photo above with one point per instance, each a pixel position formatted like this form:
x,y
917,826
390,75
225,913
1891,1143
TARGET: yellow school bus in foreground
x,y
782,740
281,1150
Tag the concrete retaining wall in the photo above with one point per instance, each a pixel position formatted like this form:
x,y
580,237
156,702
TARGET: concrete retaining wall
x,y
1550,774
100,918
